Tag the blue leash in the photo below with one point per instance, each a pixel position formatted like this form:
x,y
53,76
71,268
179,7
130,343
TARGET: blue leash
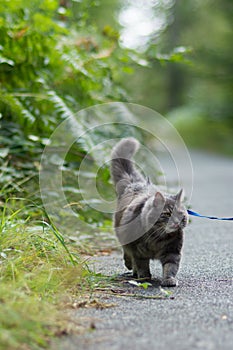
x,y
193,213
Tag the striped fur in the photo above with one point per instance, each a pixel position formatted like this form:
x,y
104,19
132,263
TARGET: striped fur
x,y
148,223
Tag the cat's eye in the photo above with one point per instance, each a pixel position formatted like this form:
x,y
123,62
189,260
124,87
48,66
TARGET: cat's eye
x,y
165,215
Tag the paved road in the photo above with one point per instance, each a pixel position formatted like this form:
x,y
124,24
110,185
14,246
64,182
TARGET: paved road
x,y
201,314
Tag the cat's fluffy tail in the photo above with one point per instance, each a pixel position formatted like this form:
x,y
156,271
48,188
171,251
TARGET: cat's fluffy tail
x,y
122,168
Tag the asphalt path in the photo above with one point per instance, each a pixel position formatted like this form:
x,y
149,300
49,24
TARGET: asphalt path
x,y
200,313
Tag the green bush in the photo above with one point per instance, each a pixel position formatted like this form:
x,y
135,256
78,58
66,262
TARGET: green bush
x,y
53,63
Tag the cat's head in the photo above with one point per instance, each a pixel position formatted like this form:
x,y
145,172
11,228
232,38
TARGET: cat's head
x,y
167,212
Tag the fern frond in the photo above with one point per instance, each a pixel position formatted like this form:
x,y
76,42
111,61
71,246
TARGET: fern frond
x,y
61,106
71,59
18,110
75,126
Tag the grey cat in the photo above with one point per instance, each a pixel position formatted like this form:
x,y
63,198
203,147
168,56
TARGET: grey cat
x,y
148,223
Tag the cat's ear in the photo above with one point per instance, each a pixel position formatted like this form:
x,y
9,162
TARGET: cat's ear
x,y
180,196
159,200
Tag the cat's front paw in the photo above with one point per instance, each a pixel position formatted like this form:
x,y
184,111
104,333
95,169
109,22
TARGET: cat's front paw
x,y
169,282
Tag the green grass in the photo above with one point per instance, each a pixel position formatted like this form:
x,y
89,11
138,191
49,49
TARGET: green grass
x,y
38,270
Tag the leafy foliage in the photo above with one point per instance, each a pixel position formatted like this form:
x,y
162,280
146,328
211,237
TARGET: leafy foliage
x,y
52,64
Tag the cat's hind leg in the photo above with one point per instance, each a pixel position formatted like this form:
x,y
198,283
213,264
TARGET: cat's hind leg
x,y
141,268
128,260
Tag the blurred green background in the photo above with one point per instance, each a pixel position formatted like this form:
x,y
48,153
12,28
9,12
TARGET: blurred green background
x,y
186,67
59,56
